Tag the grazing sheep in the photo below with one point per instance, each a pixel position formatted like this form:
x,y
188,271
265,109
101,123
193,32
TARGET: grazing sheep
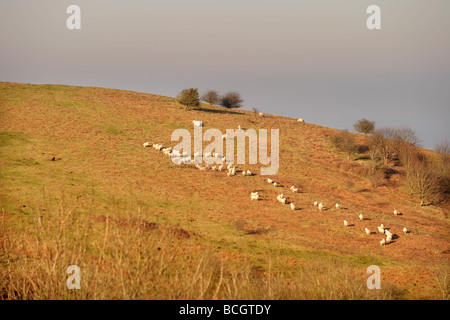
x,y
254,195
381,229
220,167
388,233
301,120
345,223
228,174
361,217
197,123
316,203
367,231
292,206
244,173
337,206
396,212
405,230
261,114
249,173
275,184
239,127
388,239
294,189
320,206
269,180
382,242
213,168
283,200
146,144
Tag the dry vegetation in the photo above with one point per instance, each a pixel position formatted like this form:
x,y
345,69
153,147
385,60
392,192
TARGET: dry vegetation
x,y
77,187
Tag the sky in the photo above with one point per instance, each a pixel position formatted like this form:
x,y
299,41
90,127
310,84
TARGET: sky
x,y
314,59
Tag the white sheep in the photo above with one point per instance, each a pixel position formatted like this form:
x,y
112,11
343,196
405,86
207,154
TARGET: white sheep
x,y
197,123
292,206
220,167
146,144
337,206
361,217
388,233
405,230
388,239
301,120
294,189
224,136
249,173
316,203
367,231
261,114
275,184
254,195
396,212
345,223
320,206
382,242
381,229
269,180
283,200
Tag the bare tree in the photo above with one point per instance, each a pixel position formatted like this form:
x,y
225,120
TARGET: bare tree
x,y
406,135
423,182
211,97
382,146
364,126
231,100
443,147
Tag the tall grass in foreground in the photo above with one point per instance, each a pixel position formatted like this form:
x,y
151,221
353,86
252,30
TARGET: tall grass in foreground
x,y
124,256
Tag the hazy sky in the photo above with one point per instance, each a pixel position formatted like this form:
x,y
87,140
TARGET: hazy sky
x,y
313,59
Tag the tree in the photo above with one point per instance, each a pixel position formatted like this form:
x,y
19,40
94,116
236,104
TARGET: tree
x,y
364,126
189,98
382,146
211,97
423,181
231,100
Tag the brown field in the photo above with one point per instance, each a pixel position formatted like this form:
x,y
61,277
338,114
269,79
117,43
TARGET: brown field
x,y
78,188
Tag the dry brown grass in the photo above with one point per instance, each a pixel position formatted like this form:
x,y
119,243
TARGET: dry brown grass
x,y
224,248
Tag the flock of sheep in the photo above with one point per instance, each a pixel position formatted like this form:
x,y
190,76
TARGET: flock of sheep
x,y
185,158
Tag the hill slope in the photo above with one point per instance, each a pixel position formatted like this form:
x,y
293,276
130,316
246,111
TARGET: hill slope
x,y
74,175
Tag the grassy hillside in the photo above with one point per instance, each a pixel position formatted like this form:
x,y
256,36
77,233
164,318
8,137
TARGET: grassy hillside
x,y
78,188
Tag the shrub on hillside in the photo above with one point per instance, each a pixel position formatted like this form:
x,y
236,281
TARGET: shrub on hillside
x,y
345,142
364,126
211,97
231,100
189,98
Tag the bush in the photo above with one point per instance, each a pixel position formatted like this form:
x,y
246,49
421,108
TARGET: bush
x,y
189,98
211,97
345,142
364,126
231,100
386,144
